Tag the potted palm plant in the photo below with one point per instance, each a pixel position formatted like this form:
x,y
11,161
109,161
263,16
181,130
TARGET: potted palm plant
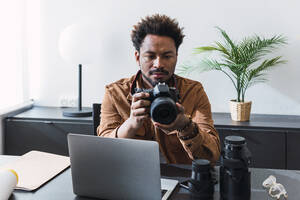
x,y
243,62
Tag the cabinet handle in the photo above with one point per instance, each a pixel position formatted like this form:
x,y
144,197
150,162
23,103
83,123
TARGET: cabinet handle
x,y
48,122
235,129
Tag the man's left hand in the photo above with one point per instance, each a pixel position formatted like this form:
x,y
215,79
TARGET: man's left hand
x,y
180,121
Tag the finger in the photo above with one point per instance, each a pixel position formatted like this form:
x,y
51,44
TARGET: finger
x,y
140,112
140,104
140,119
180,108
141,95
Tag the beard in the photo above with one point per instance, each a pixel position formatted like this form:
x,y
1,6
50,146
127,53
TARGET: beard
x,y
155,82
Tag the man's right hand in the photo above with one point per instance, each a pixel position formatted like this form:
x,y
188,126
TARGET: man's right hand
x,y
139,111
140,108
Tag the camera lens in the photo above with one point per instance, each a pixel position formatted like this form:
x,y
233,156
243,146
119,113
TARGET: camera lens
x,y
201,183
164,113
237,140
234,146
163,110
198,166
235,179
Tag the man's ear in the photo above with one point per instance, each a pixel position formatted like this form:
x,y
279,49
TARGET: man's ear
x,y
137,57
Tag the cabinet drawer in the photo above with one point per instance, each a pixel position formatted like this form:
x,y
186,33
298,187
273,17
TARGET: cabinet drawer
x,y
22,136
293,150
266,146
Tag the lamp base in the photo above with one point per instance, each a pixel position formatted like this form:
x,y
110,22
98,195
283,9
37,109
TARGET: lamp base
x,y
74,112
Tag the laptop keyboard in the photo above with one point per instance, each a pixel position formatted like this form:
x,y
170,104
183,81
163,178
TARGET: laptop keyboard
x,y
163,192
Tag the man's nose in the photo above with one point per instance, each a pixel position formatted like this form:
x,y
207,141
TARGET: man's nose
x,y
157,62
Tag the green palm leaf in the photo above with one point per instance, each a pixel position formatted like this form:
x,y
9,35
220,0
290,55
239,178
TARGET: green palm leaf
x,y
205,49
239,61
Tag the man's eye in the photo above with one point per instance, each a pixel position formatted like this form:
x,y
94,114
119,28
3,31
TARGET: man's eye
x,y
150,57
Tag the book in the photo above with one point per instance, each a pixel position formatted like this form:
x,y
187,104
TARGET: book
x,y
35,168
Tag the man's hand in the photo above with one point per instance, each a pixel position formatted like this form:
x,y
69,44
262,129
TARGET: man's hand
x,y
180,121
140,108
139,111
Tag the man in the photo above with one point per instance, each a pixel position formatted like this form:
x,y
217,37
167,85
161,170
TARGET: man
x,y
125,114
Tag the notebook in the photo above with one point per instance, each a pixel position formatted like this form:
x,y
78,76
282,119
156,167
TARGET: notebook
x,y
36,168
114,168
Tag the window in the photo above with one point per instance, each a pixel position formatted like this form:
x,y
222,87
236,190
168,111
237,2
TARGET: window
x,y
12,53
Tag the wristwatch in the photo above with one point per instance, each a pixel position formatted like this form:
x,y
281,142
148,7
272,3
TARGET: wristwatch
x,y
187,127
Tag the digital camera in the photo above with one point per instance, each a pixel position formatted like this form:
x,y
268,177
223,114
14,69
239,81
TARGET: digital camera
x,y
163,99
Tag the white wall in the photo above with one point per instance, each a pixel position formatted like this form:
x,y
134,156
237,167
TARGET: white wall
x,y
239,18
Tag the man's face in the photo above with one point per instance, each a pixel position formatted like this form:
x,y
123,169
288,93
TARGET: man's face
x,y
157,58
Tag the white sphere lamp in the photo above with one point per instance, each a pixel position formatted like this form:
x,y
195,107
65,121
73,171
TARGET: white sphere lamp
x,y
80,44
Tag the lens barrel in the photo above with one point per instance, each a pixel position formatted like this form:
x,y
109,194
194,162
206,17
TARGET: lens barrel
x,y
234,170
163,110
201,183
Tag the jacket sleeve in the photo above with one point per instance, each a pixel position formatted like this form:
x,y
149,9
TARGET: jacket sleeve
x,y
206,144
110,119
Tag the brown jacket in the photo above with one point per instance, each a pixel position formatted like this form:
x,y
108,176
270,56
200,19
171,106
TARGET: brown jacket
x,y
115,110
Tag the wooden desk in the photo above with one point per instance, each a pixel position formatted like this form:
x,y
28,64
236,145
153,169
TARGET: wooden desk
x,y
60,188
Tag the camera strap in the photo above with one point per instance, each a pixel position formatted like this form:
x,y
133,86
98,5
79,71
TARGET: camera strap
x,y
133,83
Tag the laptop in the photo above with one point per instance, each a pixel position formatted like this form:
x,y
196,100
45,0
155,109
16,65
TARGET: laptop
x,y
115,168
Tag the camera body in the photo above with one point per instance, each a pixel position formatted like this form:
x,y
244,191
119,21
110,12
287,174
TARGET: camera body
x,y
163,102
235,182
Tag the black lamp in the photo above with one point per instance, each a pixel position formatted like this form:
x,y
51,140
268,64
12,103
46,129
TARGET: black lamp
x,y
79,44
79,111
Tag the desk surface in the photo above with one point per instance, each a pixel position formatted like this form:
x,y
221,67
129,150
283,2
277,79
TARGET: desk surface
x,y
60,188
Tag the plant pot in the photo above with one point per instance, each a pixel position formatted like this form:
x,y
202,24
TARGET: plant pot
x,y
240,111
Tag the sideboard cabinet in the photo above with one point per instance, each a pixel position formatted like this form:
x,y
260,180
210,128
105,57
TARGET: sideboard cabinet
x,y
274,140
43,129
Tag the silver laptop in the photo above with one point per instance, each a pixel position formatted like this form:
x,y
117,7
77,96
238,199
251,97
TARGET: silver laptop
x,y
113,168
